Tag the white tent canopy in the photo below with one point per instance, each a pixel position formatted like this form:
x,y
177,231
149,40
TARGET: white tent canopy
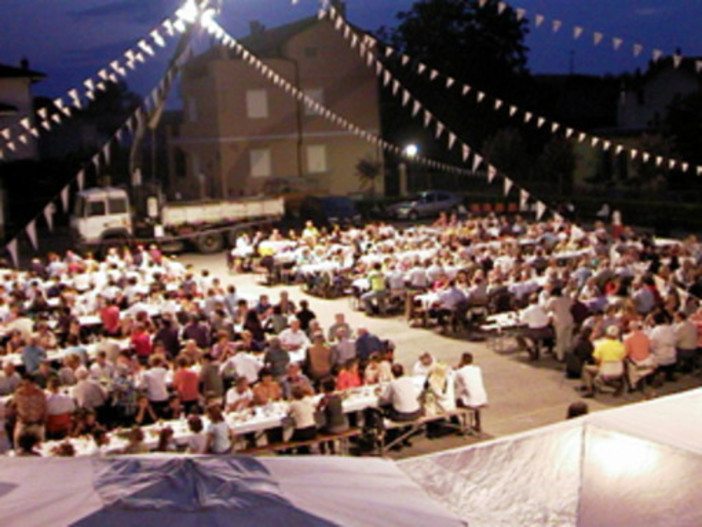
x,y
636,465
207,491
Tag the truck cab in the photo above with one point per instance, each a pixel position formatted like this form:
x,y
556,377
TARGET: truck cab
x,y
101,214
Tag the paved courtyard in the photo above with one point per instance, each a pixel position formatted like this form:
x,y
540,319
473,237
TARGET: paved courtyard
x,y
522,394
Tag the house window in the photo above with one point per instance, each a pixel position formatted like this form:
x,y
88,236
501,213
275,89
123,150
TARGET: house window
x,y
257,104
316,94
316,159
260,163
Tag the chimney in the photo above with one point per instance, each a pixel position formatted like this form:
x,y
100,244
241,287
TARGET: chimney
x,y
340,7
256,28
24,63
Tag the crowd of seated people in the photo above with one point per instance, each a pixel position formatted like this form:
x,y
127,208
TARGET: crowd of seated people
x,y
568,283
148,341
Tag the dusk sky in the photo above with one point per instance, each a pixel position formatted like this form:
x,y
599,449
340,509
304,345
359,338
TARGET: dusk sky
x,y
71,40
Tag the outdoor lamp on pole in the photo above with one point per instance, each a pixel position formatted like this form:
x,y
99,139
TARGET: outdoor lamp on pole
x,y
410,151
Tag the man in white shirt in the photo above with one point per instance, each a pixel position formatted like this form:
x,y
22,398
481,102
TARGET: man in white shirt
x,y
538,327
154,381
448,302
403,397
101,368
239,396
685,341
424,366
470,389
293,338
239,365
88,393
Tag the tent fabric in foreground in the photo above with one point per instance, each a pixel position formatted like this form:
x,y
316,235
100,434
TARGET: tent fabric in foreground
x,y
640,464
207,491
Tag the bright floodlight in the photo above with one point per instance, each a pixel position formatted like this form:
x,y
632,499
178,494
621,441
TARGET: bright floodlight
x,y
411,150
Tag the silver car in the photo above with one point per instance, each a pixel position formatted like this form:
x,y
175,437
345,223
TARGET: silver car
x,y
426,204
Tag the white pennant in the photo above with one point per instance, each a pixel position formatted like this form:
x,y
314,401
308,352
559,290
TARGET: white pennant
x,y
427,118
523,199
506,186
386,77
439,129
619,149
49,211
498,104
12,249
538,20
645,156
25,123
520,13
512,110
671,164
617,43
477,161
421,67
451,140
633,153
677,60
659,160
491,173
449,82
581,137
481,96
569,132
637,48
23,138
405,97
395,87
501,6
5,132
106,152
34,131
11,145
528,116
577,31
606,145
80,178
597,38
433,74
540,122
465,89
31,230
656,54
415,108
556,25
405,60
698,66
699,170
465,152
555,127
685,166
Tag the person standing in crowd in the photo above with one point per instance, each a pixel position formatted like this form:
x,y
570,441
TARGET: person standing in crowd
x,y
30,409
559,305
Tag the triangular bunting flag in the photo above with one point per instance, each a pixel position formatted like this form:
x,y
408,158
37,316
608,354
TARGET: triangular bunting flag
x,y
538,20
465,89
527,116
506,186
498,104
481,96
672,163
451,140
439,129
449,82
520,13
597,38
523,199
31,230
415,108
80,178
540,122
501,6
556,25
569,133
477,161
465,152
555,127
433,74
427,118
512,110
49,211
404,60
12,249
677,60
491,173
577,31
637,48
420,68
617,43
656,54
405,97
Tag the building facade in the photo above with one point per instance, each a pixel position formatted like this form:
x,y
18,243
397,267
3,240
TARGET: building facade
x,y
243,135
16,102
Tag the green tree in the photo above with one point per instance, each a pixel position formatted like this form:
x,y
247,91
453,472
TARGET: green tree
x,y
476,46
368,171
507,151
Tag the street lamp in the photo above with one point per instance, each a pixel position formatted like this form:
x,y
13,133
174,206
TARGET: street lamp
x,y
410,151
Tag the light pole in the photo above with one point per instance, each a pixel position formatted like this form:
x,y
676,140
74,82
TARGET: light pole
x,y
409,152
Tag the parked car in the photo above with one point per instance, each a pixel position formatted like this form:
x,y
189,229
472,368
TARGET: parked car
x,y
426,204
330,210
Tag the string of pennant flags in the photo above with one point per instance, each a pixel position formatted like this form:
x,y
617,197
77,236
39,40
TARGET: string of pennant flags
x,y
101,159
366,44
17,134
271,75
578,31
